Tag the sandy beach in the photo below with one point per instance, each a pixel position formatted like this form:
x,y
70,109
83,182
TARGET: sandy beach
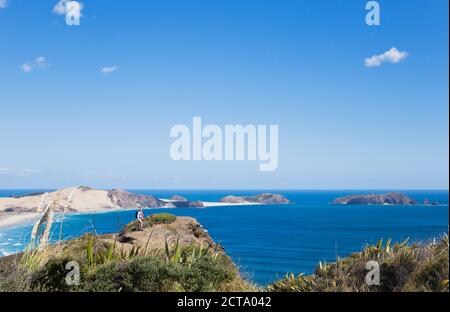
x,y
15,219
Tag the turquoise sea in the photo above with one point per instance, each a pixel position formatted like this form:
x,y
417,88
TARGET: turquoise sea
x,y
267,241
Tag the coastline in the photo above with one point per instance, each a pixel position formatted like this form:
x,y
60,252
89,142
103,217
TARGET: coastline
x,y
252,232
21,218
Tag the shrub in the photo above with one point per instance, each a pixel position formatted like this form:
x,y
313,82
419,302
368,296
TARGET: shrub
x,y
154,274
292,283
159,218
205,274
111,277
162,218
13,278
431,276
402,268
52,277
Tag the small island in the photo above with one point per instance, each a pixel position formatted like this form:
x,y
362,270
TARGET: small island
x,y
265,198
375,199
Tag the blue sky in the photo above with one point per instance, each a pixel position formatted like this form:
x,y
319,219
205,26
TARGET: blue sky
x,y
298,64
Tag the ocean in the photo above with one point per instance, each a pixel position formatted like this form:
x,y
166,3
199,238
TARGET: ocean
x,y
268,241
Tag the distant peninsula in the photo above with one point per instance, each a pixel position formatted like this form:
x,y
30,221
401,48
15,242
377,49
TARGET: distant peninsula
x,y
375,199
265,198
84,199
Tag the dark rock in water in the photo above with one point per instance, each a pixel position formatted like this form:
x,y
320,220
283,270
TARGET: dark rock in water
x,y
265,198
375,199
129,200
427,202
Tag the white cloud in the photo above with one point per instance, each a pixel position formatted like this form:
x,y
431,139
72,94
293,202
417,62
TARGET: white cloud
x,y
16,172
26,68
3,4
109,69
69,7
39,63
393,56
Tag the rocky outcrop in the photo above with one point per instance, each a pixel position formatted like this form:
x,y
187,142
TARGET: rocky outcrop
x,y
185,231
265,198
375,199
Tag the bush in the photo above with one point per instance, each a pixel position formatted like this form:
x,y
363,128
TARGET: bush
x,y
292,283
159,218
402,268
52,277
204,274
13,278
140,274
154,274
162,218
111,277
431,276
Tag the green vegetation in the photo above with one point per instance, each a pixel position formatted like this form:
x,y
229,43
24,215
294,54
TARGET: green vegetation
x,y
104,265
192,268
403,267
159,218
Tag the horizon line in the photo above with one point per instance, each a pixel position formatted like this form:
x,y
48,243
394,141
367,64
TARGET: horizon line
x,y
233,189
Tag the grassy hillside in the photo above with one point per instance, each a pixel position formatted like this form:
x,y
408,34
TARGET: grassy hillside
x,y
176,254
402,267
106,263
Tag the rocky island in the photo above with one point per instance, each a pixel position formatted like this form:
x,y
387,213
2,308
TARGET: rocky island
x,y
265,198
375,199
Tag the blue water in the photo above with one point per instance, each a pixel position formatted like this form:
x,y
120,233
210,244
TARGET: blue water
x,y
267,241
